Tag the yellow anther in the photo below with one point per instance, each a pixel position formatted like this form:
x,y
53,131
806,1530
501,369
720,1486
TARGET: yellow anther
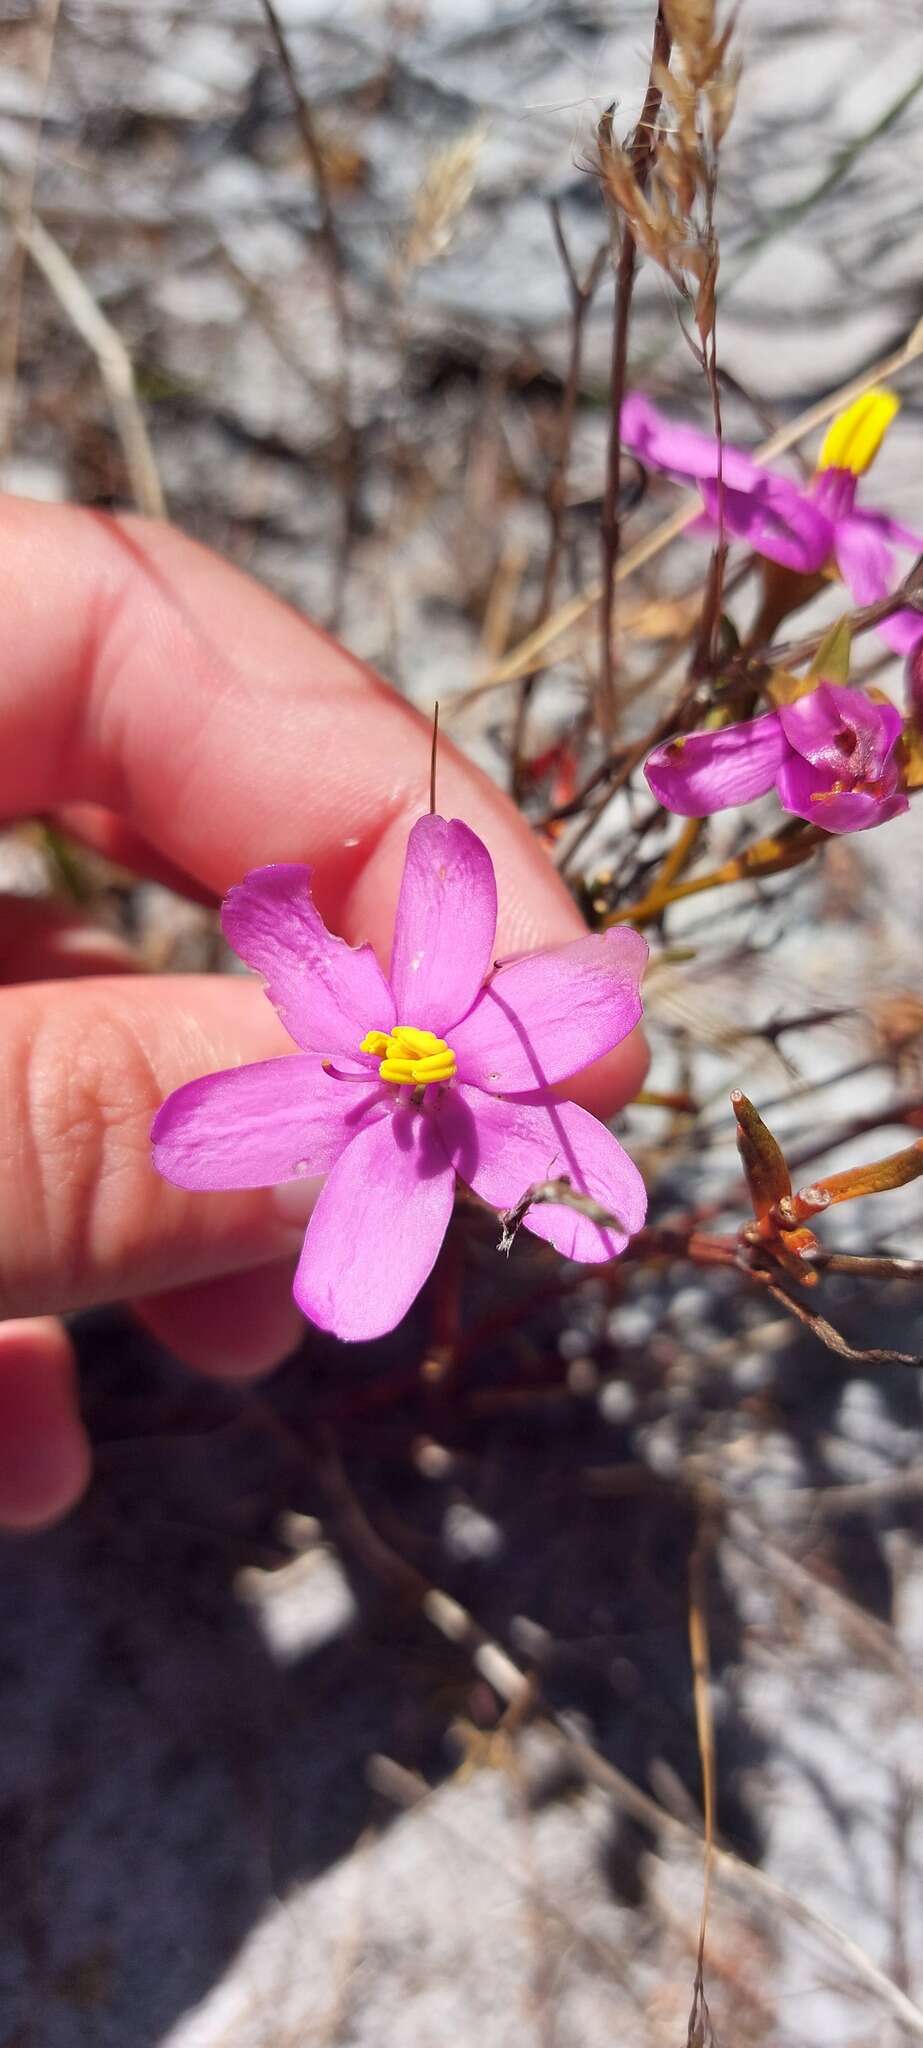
x,y
375,1042
416,1041
410,1057
436,1066
400,1071
853,439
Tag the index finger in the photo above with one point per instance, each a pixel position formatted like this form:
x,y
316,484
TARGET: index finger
x,y
145,674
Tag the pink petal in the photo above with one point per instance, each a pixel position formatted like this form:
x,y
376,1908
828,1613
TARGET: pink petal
x,y
379,1222
766,510
445,925
546,1016
864,558
682,451
808,792
894,530
868,569
834,490
776,520
250,1127
842,730
903,630
328,994
709,771
503,1148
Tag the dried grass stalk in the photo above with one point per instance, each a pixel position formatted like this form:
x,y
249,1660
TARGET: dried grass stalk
x,y
115,366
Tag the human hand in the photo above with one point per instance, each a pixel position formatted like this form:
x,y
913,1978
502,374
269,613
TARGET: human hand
x,y
190,725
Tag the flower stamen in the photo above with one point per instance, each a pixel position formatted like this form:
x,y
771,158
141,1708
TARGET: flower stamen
x,y
410,1057
853,439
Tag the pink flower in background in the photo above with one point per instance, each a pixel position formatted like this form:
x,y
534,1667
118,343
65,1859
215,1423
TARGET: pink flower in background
x,y
441,1071
830,756
801,529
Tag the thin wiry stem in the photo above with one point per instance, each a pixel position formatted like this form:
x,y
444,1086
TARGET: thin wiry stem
x,y
432,760
641,155
582,292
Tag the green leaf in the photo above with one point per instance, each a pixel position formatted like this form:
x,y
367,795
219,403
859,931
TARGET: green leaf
x,y
831,661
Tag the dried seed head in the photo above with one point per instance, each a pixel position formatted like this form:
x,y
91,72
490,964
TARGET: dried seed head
x,y
671,216
447,185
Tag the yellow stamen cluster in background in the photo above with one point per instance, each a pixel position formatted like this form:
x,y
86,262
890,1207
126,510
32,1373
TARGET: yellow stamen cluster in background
x,y
853,439
410,1057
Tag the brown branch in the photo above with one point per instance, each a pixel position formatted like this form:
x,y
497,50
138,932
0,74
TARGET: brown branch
x,y
640,156
825,1332
907,596
582,292
560,1191
771,856
674,720
867,1266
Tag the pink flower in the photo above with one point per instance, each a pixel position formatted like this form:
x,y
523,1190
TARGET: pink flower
x,y
830,756
402,1085
801,529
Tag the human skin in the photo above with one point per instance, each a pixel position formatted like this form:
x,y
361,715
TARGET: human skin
x,y
180,718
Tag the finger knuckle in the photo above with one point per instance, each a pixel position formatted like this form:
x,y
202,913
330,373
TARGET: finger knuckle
x,y
80,1092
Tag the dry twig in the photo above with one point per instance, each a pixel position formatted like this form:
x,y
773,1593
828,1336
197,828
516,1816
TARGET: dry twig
x,y
638,159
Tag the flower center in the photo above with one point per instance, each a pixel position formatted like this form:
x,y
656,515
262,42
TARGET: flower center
x,y
409,1057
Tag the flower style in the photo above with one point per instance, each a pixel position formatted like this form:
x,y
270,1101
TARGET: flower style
x,y
801,529
402,1085
830,755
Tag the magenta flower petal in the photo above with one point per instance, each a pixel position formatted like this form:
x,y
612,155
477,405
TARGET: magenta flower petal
x,y
445,925
892,530
809,792
709,771
328,994
867,567
550,1014
834,490
842,730
864,558
775,519
903,631
250,1127
767,511
681,451
380,1219
502,1148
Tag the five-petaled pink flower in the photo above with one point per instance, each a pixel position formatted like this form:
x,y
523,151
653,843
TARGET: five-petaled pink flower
x,y
830,755
801,529
443,1070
